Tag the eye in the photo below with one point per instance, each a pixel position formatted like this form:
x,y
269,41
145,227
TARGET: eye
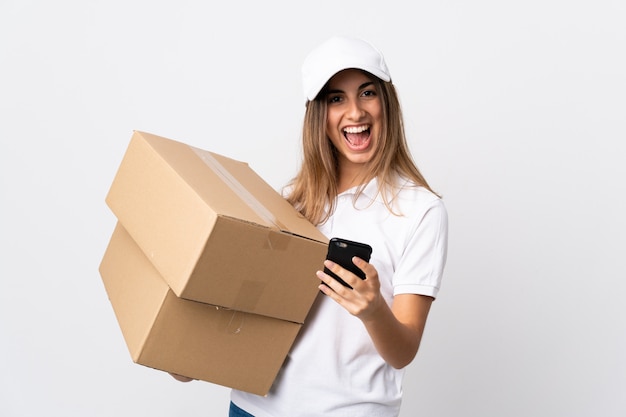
x,y
334,99
368,93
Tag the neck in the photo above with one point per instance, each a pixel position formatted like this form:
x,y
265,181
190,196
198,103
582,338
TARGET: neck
x,y
349,178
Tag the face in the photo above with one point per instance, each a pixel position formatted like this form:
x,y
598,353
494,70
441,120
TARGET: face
x,y
353,119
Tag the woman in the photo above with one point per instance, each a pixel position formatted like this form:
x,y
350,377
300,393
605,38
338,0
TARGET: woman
x,y
358,181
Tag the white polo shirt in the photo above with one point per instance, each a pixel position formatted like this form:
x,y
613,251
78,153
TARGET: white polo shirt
x,y
333,368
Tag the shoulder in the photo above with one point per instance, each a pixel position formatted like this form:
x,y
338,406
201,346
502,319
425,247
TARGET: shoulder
x,y
409,197
286,189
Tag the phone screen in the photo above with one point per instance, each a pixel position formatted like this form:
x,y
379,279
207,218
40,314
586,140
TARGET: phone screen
x,y
341,252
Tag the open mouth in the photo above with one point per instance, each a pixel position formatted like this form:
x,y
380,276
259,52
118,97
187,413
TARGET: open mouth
x,y
357,137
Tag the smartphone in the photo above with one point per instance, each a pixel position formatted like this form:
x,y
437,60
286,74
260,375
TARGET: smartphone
x,y
341,252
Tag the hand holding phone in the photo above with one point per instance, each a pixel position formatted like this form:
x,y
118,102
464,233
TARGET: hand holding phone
x,y
341,252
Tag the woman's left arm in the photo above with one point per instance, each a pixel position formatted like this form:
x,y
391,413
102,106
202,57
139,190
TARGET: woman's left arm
x,y
397,330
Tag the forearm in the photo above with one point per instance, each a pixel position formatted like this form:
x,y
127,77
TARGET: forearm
x,y
397,332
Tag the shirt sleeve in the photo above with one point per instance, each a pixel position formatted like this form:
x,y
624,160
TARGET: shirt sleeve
x,y
420,269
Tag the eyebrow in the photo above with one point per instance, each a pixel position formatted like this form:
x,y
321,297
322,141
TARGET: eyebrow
x,y
362,86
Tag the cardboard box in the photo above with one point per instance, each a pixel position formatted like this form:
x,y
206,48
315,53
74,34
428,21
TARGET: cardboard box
x,y
227,347
216,231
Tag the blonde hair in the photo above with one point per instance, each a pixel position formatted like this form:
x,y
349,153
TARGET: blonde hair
x,y
314,188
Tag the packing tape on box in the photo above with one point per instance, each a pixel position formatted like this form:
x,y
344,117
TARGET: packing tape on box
x,y
230,321
238,188
277,241
248,295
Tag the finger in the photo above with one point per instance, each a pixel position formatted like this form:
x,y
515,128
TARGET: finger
x,y
371,274
347,276
181,378
362,265
327,286
330,283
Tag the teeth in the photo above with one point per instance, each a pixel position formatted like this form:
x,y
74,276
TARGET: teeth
x,y
356,129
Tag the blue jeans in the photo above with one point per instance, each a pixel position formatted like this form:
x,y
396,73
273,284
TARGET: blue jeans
x,y
237,412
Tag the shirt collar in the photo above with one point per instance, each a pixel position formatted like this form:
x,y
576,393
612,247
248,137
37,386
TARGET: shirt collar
x,y
370,190
372,193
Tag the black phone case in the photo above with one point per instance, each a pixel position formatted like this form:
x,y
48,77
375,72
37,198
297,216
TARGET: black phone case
x,y
341,252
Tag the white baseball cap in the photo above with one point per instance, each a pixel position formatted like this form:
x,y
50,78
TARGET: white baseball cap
x,y
336,54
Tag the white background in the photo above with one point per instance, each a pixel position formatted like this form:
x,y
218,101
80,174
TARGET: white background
x,y
516,113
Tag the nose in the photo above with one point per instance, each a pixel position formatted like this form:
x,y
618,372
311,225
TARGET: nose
x,y
355,110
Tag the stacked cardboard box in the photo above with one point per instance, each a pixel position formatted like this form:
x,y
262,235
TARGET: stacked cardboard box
x,y
210,272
